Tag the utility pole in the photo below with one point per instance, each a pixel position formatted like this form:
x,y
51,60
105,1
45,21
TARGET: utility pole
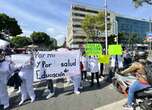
x,y
150,32
106,31
150,25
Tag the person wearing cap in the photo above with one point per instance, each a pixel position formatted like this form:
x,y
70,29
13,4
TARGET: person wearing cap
x,y
6,69
137,69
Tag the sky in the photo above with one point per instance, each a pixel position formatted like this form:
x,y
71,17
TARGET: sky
x,y
51,16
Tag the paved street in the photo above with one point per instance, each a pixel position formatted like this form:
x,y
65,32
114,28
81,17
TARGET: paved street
x,y
90,98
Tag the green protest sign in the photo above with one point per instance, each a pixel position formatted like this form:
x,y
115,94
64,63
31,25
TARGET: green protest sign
x,y
115,50
93,49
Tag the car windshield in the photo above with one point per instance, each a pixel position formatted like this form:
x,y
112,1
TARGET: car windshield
x,y
142,48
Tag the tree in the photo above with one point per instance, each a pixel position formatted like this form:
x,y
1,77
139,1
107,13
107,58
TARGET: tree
x,y
111,39
93,24
141,2
20,41
122,38
43,40
40,38
9,25
88,25
53,43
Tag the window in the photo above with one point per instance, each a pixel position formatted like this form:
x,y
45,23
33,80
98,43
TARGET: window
x,y
76,20
78,14
108,14
85,10
76,25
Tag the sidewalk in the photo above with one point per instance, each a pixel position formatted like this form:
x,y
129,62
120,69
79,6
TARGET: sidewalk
x,y
114,106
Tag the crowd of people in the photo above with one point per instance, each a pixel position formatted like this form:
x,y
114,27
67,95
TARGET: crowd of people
x,y
87,64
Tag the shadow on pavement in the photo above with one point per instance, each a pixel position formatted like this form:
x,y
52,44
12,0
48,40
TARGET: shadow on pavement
x,y
59,90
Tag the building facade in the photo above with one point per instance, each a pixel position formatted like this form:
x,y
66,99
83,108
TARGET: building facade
x,y
76,37
133,26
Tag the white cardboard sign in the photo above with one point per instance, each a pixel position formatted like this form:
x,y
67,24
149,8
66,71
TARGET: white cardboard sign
x,y
56,64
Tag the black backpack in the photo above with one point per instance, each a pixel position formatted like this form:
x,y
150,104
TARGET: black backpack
x,y
148,72
14,80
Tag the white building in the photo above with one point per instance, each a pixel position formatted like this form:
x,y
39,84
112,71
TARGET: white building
x,y
76,36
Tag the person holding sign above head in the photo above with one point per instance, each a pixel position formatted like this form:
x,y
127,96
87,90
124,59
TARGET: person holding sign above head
x,y
94,70
26,74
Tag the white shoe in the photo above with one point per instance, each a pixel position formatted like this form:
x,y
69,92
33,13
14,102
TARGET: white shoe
x,y
17,92
86,80
50,95
77,92
81,87
32,100
127,107
46,90
6,106
21,102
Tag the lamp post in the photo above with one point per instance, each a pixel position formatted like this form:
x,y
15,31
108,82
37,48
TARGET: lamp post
x,y
150,32
106,31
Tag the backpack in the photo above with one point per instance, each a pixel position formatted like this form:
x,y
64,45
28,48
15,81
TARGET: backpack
x,y
148,72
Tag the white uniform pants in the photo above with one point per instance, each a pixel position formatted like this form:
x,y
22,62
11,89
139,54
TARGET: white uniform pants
x,y
120,63
4,98
27,90
76,81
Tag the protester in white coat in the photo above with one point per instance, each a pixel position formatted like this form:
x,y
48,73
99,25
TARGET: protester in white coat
x,y
76,81
6,68
75,76
26,74
94,68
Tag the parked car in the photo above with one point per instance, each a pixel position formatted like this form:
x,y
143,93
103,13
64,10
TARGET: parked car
x,y
141,51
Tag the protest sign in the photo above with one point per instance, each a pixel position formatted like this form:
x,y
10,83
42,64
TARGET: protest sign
x,y
20,59
115,50
93,49
53,65
103,59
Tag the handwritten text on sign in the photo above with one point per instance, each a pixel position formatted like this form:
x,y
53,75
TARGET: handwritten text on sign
x,y
51,65
93,49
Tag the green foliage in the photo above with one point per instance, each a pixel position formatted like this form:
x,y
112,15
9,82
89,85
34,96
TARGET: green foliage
x,y
111,39
40,38
53,43
92,24
100,21
20,41
129,38
122,38
88,25
43,40
9,25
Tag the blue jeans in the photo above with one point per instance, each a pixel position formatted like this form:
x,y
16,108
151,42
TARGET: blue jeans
x,y
136,86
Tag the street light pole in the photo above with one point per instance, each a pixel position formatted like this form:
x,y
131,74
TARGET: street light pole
x,y
150,31
150,25
106,32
